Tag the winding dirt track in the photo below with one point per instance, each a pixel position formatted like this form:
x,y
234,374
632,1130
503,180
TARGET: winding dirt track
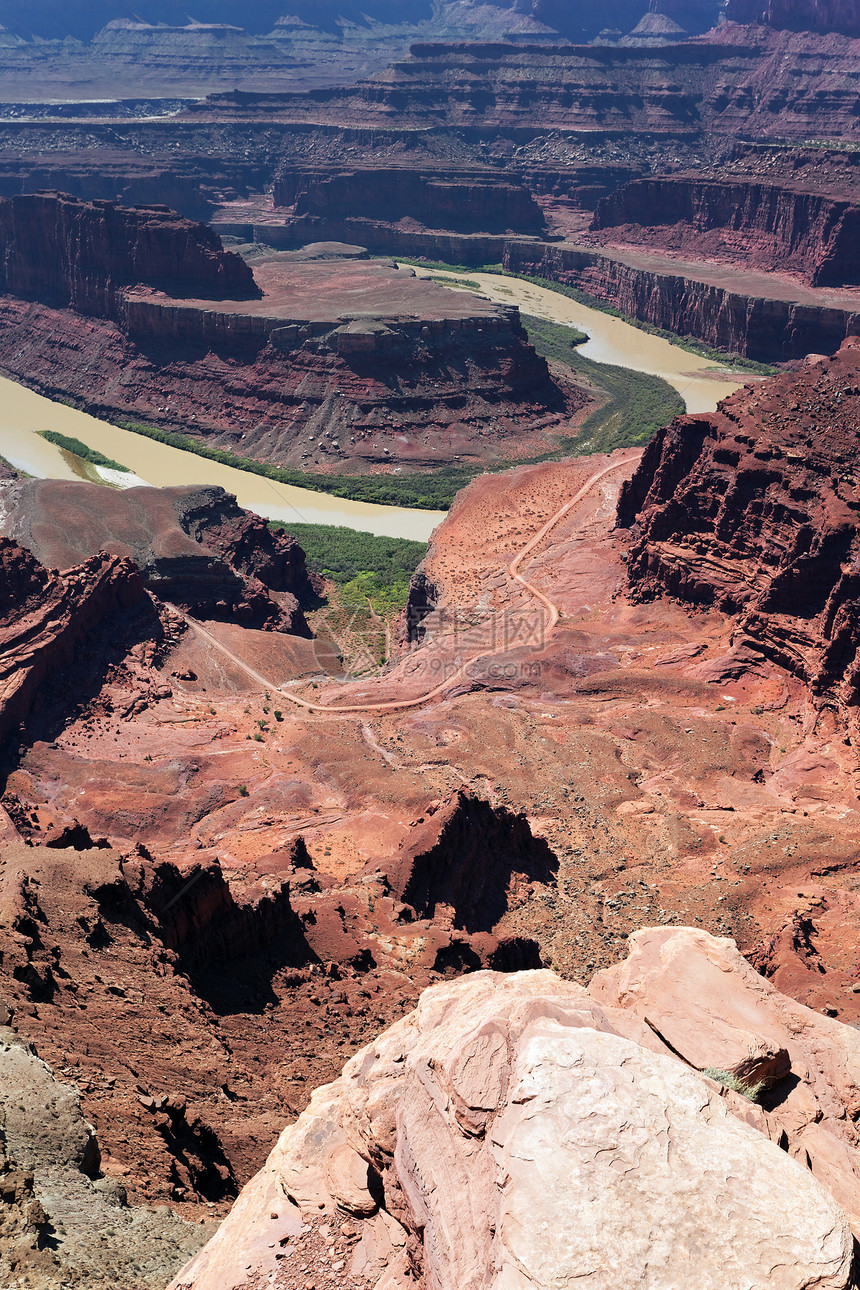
x,y
397,705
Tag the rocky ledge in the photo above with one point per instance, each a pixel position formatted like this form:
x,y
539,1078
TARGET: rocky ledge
x,y
754,509
79,255
764,226
194,547
307,360
562,1136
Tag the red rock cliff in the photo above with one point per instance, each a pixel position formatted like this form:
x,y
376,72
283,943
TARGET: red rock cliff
x,y
765,226
457,199
43,617
79,255
756,509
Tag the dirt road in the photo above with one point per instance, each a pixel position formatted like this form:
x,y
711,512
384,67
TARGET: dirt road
x,y
550,608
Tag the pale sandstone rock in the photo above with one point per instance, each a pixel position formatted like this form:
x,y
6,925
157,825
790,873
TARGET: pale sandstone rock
x,y
528,1136
701,997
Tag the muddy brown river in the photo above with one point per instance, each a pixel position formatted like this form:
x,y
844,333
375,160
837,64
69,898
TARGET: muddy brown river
x,y
23,413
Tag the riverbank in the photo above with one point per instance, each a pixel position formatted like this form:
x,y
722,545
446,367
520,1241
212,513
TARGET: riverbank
x,y
701,383
23,413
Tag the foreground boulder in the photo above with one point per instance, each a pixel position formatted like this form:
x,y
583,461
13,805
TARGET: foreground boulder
x,y
513,1132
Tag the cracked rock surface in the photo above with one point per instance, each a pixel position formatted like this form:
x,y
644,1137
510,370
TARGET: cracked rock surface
x,y
514,1132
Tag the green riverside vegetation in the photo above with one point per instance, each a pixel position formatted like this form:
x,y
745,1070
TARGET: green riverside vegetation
x,y
79,449
637,407
422,492
362,566
689,343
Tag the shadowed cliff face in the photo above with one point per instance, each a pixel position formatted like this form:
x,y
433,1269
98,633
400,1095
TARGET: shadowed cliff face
x,y
755,510
469,858
458,199
799,15
763,226
45,617
79,255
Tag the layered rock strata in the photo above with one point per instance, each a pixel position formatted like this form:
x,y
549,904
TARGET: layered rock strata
x,y
798,15
329,356
79,255
766,227
526,1126
44,617
754,509
455,198
682,91
734,311
194,547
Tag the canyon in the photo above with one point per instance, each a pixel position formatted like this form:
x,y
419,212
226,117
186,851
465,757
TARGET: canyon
x,y
213,896
527,950
499,152
793,601
328,357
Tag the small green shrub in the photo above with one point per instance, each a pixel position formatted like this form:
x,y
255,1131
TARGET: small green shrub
x,y
242,790
752,1092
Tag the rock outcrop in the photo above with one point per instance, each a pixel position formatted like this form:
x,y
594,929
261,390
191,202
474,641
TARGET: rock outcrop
x,y
799,15
44,616
755,509
719,308
194,547
457,198
63,1220
762,226
465,860
139,938
522,1130
700,997
334,354
80,255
